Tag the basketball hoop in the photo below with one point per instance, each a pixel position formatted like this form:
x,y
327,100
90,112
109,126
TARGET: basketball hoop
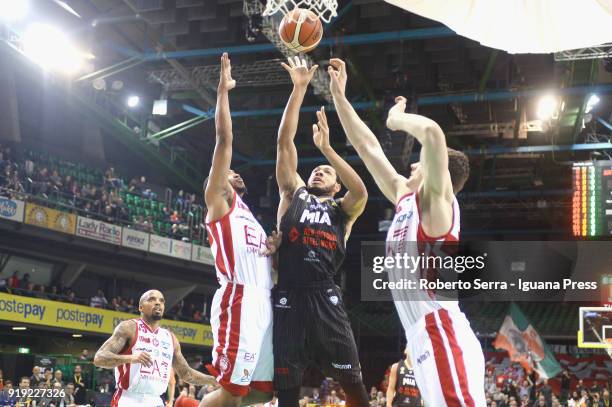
x,y
325,9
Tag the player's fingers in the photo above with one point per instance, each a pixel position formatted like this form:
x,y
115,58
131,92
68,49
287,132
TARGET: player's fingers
x,y
313,68
291,62
400,99
304,64
324,116
296,62
287,67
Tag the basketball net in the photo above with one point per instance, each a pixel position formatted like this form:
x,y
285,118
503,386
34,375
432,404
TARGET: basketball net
x,y
325,9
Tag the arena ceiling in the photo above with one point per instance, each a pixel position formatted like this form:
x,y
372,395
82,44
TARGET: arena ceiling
x,y
484,99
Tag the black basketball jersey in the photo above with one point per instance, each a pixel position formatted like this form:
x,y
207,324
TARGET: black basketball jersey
x,y
406,391
313,241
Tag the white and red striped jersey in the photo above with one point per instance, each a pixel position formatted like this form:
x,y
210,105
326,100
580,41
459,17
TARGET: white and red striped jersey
x,y
406,236
236,241
153,380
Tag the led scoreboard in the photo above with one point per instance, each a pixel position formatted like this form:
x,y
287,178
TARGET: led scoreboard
x,y
592,199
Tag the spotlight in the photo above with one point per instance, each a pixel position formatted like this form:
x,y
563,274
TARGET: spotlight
x,y
133,101
51,49
593,100
19,328
77,335
13,10
547,107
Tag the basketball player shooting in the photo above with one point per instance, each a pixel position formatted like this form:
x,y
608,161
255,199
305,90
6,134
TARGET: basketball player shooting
x,y
438,334
143,355
241,311
310,323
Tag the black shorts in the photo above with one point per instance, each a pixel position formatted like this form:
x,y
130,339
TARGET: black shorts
x,y
311,325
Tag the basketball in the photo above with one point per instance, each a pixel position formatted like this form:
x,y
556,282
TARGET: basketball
x,y
301,30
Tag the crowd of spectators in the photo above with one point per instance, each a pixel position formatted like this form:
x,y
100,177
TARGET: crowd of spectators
x,y
102,199
59,391
24,287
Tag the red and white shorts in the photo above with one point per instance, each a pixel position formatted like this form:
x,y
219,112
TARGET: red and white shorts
x,y
241,321
449,365
123,398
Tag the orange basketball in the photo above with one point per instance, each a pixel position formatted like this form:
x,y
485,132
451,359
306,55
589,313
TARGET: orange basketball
x,y
301,30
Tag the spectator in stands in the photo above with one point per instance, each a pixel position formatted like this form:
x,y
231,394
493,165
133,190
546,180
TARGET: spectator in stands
x,y
13,281
71,297
98,300
80,391
3,285
114,305
131,307
53,294
166,213
41,181
180,201
175,217
36,376
29,290
1,379
175,232
197,316
25,280
580,386
147,225
69,399
6,399
24,386
40,293
47,378
58,377
55,181
565,384
84,355
541,402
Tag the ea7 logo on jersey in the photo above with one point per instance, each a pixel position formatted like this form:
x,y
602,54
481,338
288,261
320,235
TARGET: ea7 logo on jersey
x,y
315,217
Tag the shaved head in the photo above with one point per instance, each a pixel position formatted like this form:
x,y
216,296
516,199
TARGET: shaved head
x,y
147,294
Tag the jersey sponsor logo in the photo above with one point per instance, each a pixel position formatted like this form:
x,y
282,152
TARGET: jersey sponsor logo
x,y
282,303
165,345
155,342
312,257
281,370
293,234
315,217
423,357
342,366
224,363
249,357
246,377
408,381
404,217
304,195
166,355
401,233
145,339
254,239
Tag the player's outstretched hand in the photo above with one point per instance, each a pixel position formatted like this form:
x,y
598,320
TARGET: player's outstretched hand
x,y
143,358
298,69
273,242
226,83
320,131
337,76
396,113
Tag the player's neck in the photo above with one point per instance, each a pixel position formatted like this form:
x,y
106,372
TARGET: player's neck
x,y
153,324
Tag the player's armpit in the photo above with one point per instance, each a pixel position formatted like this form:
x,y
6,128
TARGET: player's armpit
x,y
108,355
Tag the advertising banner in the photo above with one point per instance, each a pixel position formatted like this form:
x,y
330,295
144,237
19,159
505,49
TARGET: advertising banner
x,y
181,250
11,209
160,245
202,254
74,317
135,239
97,230
50,218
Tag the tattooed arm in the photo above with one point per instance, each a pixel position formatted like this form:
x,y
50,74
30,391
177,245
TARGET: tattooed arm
x,y
108,356
183,371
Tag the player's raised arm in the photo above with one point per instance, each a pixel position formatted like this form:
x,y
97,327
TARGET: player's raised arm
x,y
286,160
434,154
354,201
108,356
186,373
361,137
218,193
